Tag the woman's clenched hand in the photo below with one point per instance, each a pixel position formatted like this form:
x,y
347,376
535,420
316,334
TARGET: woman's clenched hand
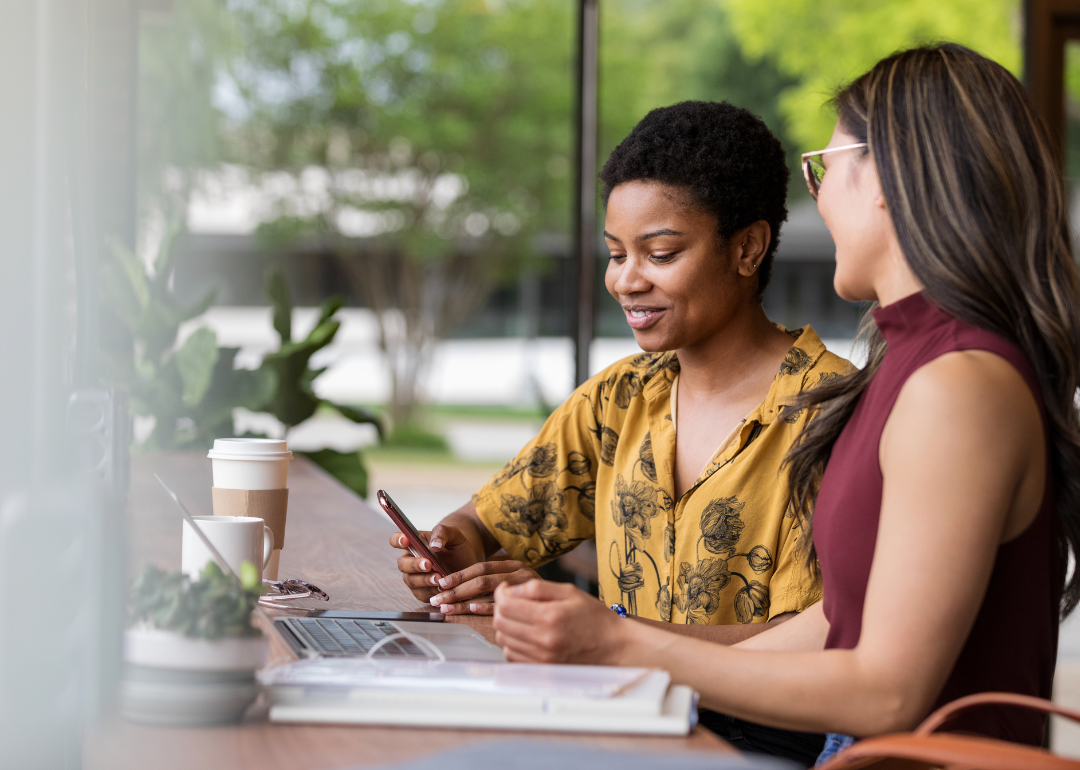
x,y
542,622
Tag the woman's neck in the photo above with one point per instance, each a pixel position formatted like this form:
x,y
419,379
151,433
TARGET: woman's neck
x,y
729,357
897,279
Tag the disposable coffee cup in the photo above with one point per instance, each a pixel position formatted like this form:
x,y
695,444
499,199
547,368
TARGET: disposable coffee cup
x,y
250,463
251,478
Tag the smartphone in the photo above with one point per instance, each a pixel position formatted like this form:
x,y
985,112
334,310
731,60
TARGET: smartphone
x,y
416,543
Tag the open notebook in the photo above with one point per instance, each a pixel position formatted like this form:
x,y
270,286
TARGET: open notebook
x,y
488,695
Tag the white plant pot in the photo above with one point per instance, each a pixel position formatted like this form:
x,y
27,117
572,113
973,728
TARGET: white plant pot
x,y
167,649
171,679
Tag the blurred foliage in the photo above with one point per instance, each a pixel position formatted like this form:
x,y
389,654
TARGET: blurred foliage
x,y
437,135
427,144
215,606
655,54
294,400
192,388
440,111
823,44
180,128
346,467
413,436
1072,112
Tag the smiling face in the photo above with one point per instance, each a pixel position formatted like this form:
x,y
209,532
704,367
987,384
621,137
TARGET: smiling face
x,y
676,280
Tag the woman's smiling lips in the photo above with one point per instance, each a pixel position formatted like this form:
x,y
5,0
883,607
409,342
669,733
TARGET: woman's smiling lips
x,y
640,317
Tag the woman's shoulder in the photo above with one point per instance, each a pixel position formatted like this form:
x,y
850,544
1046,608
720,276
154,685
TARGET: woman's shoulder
x,y
631,375
640,376
981,377
809,363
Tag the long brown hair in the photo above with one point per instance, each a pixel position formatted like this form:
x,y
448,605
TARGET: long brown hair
x,y
978,203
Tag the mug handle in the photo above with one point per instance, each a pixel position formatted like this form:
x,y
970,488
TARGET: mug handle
x,y
268,545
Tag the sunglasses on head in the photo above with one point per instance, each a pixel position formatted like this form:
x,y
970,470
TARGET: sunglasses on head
x,y
814,170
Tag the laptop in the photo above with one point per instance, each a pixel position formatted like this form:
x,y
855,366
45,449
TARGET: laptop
x,y
337,635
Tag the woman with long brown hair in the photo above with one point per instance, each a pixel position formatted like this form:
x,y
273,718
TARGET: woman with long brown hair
x,y
946,471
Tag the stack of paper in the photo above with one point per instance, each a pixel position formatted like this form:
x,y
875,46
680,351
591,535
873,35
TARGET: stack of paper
x,y
489,695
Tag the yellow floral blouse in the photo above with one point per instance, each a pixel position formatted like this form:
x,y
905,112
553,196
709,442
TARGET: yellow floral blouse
x,y
603,467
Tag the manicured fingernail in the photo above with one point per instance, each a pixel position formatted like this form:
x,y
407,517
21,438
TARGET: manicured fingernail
x,y
445,608
436,543
435,600
432,579
445,582
424,565
474,608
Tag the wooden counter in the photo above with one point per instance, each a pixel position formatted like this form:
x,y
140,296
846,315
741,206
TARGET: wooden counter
x,y
336,541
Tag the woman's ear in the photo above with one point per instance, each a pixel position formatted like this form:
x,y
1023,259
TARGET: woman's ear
x,y
751,244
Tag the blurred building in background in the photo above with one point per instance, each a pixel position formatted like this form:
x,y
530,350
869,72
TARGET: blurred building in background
x,y
532,306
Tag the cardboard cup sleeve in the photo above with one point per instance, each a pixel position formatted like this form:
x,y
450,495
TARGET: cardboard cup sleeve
x,y
269,505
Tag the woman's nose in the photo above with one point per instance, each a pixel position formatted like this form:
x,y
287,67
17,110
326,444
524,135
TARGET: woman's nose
x,y
631,279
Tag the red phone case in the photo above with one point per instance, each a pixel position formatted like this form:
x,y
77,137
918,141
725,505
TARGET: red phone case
x,y
418,547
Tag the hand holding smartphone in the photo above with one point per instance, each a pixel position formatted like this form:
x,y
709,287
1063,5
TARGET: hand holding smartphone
x,y
417,546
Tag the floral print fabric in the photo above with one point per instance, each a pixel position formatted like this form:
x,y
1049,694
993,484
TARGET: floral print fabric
x,y
603,467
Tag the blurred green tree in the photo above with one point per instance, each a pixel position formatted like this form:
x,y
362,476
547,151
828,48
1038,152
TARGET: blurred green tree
x,y
654,54
822,44
426,144
179,127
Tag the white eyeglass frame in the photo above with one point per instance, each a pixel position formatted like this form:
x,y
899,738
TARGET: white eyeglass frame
x,y
812,183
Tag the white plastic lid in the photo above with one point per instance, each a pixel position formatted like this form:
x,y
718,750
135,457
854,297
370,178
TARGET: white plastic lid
x,y
250,449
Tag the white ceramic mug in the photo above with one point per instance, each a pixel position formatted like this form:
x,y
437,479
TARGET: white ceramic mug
x,y
237,539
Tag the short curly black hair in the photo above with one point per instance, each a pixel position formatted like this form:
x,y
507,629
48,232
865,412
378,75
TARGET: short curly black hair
x,y
724,157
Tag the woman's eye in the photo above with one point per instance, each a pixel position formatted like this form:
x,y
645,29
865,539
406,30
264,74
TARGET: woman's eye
x,y
664,257
618,257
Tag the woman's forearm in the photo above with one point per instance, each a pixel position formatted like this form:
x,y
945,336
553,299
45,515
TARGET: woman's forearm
x,y
805,632
823,691
729,634
861,691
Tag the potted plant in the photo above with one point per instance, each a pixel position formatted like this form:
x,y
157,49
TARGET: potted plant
x,y
191,650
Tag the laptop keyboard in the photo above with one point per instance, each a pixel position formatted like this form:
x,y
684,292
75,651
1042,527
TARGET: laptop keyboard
x,y
352,638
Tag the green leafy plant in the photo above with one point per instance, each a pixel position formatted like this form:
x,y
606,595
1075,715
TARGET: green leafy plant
x,y
191,389
294,399
214,607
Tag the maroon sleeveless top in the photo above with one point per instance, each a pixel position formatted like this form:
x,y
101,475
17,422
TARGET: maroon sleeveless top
x,y
1013,644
